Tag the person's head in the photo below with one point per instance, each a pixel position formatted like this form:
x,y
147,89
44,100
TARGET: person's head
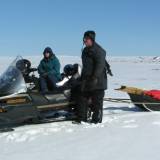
x,y
47,52
89,38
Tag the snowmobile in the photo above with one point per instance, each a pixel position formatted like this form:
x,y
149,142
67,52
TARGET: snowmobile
x,y
21,101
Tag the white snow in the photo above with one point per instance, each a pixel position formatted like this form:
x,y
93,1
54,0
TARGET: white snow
x,y
125,134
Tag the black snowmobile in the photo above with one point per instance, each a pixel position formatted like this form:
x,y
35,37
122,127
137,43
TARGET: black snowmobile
x,y
21,101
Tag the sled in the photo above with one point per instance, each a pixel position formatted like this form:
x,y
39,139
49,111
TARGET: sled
x,y
139,98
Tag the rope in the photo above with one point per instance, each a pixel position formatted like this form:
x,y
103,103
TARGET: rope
x,y
128,101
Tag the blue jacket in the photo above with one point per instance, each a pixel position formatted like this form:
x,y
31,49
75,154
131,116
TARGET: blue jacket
x,y
50,66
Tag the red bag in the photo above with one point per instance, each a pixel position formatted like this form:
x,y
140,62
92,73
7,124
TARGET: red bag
x,y
153,93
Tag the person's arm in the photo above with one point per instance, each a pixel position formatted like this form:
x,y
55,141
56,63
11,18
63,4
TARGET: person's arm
x,y
56,67
41,71
99,59
87,68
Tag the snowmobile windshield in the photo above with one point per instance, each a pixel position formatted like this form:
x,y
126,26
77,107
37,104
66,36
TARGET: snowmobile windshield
x,y
12,81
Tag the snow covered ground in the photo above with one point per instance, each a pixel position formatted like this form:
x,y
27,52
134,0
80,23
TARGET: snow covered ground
x,y
125,134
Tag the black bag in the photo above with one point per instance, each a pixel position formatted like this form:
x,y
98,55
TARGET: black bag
x,y
108,68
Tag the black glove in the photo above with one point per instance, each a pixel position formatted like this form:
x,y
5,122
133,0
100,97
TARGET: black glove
x,y
45,74
94,81
110,73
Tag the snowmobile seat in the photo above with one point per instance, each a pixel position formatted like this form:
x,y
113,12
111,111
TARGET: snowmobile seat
x,y
56,95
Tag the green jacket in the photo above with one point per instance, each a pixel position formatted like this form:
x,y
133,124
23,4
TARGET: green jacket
x,y
50,66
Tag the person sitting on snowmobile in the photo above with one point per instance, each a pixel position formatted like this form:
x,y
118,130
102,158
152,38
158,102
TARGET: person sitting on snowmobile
x,y
93,79
49,71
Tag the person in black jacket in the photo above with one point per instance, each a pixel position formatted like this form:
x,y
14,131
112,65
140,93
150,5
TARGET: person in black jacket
x,y
93,79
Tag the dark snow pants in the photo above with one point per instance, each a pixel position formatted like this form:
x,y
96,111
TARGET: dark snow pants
x,y
48,83
93,99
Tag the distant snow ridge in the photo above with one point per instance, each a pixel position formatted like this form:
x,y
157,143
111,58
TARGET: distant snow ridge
x,y
136,59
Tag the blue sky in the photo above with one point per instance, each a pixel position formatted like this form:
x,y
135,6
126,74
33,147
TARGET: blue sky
x,y
124,27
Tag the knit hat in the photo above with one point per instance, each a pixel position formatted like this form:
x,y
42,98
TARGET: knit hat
x,y
90,34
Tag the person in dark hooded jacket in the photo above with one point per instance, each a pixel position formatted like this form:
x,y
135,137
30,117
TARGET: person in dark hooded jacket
x,y
49,71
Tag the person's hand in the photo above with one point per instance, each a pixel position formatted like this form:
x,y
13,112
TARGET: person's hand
x,y
94,80
45,74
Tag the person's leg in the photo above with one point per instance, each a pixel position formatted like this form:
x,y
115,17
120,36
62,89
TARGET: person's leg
x,y
97,101
52,82
43,84
81,106
36,82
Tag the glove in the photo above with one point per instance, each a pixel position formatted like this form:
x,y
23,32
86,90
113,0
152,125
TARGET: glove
x,y
94,80
91,83
110,73
45,74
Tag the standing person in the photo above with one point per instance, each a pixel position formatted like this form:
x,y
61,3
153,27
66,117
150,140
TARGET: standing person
x,y
93,79
49,70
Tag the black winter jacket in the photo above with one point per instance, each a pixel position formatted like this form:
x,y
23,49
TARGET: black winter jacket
x,y
94,74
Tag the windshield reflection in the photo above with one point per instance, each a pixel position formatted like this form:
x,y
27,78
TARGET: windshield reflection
x,y
12,81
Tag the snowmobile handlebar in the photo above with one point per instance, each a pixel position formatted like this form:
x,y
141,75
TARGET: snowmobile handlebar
x,y
33,70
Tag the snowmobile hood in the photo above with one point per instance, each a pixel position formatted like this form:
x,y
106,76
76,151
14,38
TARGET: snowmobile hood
x,y
12,81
